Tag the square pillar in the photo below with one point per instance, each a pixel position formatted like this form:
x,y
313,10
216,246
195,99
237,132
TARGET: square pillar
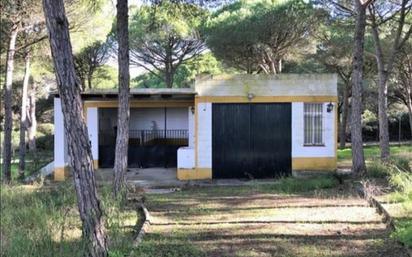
x,y
93,130
61,169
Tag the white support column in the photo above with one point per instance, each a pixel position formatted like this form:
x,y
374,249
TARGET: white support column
x,y
60,144
191,127
93,130
204,134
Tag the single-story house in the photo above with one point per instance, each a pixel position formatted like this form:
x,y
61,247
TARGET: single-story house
x,y
237,126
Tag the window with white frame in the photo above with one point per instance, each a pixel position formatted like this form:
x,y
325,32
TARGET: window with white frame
x,y
313,124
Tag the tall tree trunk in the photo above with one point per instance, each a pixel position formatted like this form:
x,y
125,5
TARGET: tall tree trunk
x,y
122,139
358,158
32,120
344,120
385,67
8,115
169,70
383,116
409,105
89,80
168,78
382,97
79,147
23,115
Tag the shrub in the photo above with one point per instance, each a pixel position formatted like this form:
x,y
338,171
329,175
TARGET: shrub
x,y
402,182
403,232
45,129
377,169
402,163
45,143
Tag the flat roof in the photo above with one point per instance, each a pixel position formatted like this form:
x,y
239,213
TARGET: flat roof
x,y
151,93
142,91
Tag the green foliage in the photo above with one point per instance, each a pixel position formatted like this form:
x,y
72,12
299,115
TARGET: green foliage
x,y
185,74
90,22
45,129
403,232
402,182
255,35
105,77
398,173
165,35
368,117
45,142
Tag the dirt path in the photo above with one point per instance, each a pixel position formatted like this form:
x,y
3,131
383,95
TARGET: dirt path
x,y
322,223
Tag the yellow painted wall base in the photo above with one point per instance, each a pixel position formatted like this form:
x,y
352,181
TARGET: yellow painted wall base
x,y
314,164
95,164
192,174
61,173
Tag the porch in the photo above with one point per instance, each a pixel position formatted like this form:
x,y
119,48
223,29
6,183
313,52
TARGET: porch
x,y
155,135
161,122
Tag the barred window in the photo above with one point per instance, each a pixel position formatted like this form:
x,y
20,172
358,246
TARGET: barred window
x,y
313,123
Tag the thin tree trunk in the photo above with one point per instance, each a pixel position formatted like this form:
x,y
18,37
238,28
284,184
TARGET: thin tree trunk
x,y
168,78
79,147
23,115
122,139
382,97
409,105
89,80
358,158
8,115
344,120
169,73
32,121
383,116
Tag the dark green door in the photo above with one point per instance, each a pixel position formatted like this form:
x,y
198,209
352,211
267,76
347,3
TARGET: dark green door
x,y
251,140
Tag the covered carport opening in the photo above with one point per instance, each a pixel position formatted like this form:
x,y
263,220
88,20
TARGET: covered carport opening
x,y
158,127
251,140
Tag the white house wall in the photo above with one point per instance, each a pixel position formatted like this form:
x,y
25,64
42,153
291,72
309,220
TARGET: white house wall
x,y
93,130
60,146
204,141
329,126
185,158
204,135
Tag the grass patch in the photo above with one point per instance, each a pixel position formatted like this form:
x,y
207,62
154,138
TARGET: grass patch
x,y
288,217
374,151
34,162
154,245
37,221
289,185
292,185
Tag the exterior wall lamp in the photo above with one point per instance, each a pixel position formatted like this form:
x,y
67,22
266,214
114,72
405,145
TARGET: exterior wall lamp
x,y
329,107
250,96
192,109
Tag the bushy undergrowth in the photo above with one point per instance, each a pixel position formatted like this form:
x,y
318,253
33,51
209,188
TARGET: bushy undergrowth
x,y
377,169
39,222
399,175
